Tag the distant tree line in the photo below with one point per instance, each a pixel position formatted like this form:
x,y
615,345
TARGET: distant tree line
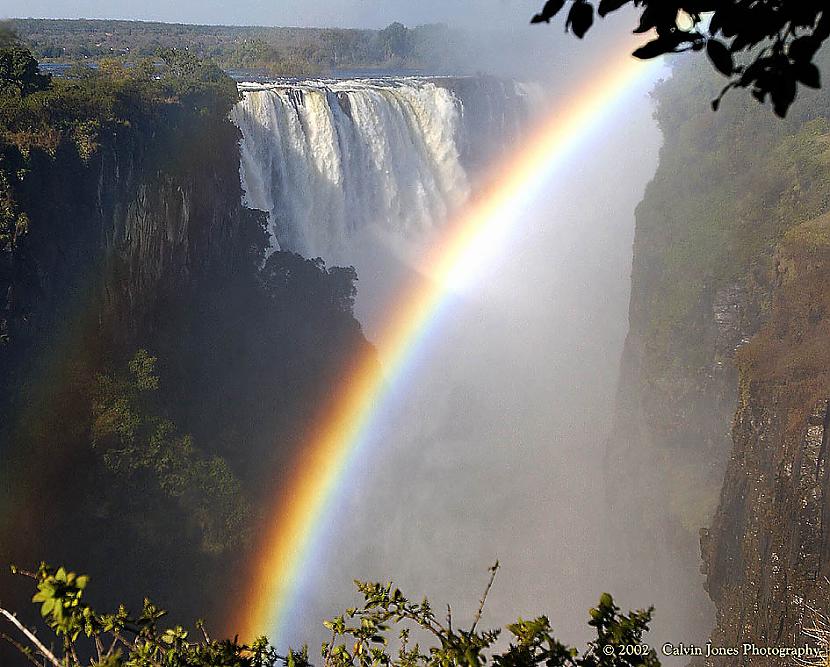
x,y
282,51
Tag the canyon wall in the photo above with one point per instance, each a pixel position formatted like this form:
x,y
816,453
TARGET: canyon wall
x,y
722,400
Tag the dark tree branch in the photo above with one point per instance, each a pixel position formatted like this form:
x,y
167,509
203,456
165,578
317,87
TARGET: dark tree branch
x,y
780,37
483,601
45,652
23,649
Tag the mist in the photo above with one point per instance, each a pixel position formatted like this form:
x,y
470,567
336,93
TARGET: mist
x,y
494,447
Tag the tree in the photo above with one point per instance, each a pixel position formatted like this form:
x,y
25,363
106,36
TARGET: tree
x,y
197,83
766,46
395,42
359,638
147,451
118,639
19,73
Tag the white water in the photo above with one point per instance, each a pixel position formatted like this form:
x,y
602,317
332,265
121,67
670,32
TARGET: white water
x,y
332,160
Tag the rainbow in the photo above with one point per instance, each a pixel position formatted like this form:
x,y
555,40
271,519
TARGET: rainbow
x,y
300,514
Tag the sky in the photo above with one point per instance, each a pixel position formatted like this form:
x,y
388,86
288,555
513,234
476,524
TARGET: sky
x,y
324,13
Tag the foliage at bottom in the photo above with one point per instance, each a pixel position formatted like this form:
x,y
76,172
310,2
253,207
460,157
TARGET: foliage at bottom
x,y
361,637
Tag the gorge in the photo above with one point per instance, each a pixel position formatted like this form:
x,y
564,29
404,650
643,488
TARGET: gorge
x,y
190,225
382,163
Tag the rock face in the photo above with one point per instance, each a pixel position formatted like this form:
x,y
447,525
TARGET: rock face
x,y
117,240
767,554
719,436
127,224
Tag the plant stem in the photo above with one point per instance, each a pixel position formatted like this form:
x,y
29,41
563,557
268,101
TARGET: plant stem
x,y
45,652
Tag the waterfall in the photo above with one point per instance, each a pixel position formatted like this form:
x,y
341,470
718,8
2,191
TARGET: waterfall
x,y
493,447
330,158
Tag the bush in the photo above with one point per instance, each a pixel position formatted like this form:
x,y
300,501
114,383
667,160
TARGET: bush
x,y
359,638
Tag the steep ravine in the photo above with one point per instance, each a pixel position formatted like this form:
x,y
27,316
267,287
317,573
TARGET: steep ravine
x,y
113,236
131,235
722,401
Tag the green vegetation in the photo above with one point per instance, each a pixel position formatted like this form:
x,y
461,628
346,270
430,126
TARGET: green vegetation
x,y
728,189
118,639
359,638
277,51
810,237
702,229
122,229
145,451
41,113
19,73
37,111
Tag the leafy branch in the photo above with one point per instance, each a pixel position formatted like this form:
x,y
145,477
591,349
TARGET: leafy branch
x,y
359,638
117,639
777,39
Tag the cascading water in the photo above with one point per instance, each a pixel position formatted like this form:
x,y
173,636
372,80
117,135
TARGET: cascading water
x,y
330,159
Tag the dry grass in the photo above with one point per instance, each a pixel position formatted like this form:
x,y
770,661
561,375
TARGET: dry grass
x,y
817,634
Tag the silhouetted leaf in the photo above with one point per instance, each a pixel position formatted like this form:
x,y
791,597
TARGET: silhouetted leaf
x,y
580,18
782,96
780,37
551,9
716,22
657,16
809,75
652,49
720,56
803,48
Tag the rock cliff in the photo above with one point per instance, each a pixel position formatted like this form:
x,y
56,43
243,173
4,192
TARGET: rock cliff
x,y
767,554
153,210
726,325
138,239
